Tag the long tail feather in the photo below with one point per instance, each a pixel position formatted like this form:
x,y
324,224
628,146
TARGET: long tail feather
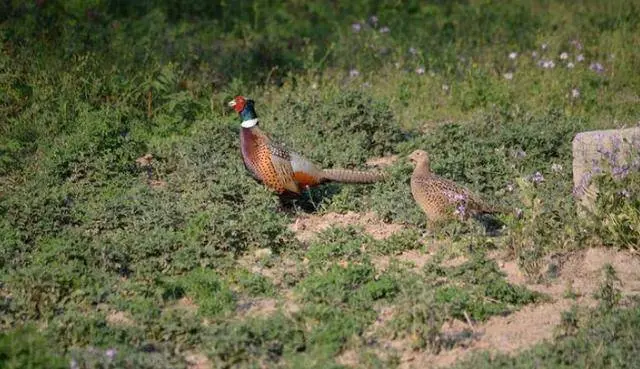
x,y
352,176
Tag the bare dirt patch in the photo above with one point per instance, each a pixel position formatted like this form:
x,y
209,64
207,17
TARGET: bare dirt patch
x,y
258,307
196,360
277,271
290,305
455,262
581,271
418,258
187,304
119,318
307,226
524,328
349,358
415,257
156,183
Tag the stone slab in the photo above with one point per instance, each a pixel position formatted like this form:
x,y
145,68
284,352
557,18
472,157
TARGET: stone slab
x,y
594,152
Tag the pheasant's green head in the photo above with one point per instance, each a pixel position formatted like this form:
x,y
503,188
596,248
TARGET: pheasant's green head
x,y
245,108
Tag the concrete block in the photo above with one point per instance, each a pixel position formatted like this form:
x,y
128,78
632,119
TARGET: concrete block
x,y
594,152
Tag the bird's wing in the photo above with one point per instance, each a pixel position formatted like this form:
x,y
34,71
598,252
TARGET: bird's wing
x,y
453,192
281,162
271,163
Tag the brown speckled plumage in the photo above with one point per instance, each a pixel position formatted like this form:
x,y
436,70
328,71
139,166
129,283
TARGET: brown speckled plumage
x,y
441,198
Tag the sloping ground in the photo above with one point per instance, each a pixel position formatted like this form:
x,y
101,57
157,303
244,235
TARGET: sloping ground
x,y
307,226
579,276
578,279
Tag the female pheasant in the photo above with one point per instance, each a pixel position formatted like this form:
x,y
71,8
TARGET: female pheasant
x,y
283,171
440,198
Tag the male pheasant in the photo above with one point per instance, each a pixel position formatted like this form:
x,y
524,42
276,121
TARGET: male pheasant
x,y
440,198
285,172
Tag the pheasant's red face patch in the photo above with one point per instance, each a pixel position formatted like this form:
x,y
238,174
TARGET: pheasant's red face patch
x,y
240,103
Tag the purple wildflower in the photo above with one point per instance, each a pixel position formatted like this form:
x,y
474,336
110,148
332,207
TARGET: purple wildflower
x,y
537,177
373,20
460,210
577,191
547,64
454,197
353,73
420,70
580,58
582,185
620,172
459,197
519,213
576,44
110,353
385,29
356,27
617,141
597,169
596,67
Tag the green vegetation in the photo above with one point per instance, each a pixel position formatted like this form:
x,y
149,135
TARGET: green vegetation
x,y
601,338
110,260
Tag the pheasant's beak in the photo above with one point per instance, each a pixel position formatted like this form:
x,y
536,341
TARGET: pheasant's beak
x,y
232,103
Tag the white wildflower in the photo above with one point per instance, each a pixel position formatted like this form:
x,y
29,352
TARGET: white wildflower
x,y
575,93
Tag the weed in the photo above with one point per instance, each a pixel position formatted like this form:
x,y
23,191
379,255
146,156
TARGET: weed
x,y
210,293
26,348
88,230
609,292
599,341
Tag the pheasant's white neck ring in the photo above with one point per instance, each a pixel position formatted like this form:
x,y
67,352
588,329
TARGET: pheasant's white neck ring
x,y
249,123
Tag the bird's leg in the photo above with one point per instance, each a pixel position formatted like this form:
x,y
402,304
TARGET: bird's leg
x,y
308,189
